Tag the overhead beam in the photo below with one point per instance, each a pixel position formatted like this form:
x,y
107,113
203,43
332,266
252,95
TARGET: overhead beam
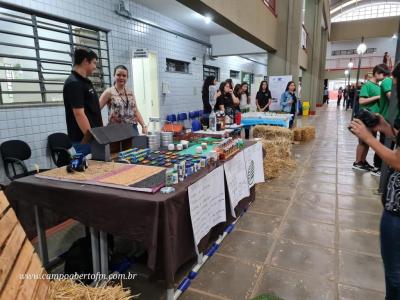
x,y
253,21
369,28
231,44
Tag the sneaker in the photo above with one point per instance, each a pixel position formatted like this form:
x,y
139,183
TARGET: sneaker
x,y
360,166
368,166
376,172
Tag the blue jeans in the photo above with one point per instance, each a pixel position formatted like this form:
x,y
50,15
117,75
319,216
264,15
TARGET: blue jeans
x,y
82,148
390,250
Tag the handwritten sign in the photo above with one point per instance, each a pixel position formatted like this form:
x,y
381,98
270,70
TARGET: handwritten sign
x,y
236,178
207,203
254,164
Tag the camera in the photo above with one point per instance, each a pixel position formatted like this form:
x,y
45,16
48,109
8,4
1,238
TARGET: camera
x,y
367,117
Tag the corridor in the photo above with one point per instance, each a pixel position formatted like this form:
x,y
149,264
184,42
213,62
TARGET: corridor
x,y
311,234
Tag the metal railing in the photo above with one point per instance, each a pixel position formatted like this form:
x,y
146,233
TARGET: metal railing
x,y
342,63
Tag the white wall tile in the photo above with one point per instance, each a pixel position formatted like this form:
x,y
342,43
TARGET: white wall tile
x,y
35,124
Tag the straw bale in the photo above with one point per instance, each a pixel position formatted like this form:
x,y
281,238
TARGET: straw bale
x,y
69,289
278,156
309,133
272,132
298,134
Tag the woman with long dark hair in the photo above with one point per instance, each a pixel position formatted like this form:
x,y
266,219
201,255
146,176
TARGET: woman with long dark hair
x,y
244,97
390,221
227,98
121,102
209,93
237,92
289,101
263,97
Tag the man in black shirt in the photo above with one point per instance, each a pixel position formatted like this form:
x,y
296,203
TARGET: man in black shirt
x,y
82,109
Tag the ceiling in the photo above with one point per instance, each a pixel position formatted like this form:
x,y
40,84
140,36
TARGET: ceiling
x,y
261,58
181,13
339,6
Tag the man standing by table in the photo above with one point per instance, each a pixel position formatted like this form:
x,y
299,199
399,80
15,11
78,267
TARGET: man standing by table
x,y
81,102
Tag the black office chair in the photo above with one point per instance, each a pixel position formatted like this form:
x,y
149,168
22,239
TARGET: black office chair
x,y
14,153
59,143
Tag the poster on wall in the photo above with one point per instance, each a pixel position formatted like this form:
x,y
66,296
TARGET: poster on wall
x,y
277,86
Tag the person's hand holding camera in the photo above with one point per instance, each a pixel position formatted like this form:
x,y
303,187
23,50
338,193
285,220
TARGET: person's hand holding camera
x,y
358,128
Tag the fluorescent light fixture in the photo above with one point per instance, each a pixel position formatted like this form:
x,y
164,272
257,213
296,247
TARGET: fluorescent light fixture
x,y
207,19
394,36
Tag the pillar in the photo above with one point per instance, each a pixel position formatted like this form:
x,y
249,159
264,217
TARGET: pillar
x,y
285,61
313,77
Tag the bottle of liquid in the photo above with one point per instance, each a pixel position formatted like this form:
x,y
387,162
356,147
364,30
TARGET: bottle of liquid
x,y
212,123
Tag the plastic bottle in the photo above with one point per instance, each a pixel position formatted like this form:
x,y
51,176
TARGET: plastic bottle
x,y
212,121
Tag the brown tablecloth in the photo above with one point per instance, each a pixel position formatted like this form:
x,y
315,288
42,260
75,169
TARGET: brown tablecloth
x,y
161,222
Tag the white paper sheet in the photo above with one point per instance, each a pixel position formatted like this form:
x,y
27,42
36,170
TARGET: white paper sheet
x,y
207,203
236,178
254,164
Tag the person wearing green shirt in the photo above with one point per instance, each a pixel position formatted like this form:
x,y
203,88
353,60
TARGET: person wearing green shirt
x,y
386,90
369,99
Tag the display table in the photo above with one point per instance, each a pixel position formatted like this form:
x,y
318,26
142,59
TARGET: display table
x,y
161,221
260,118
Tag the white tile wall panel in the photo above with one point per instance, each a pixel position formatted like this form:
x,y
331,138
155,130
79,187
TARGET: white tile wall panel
x,y
35,124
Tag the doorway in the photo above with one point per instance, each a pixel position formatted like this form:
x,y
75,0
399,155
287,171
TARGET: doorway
x,y
145,83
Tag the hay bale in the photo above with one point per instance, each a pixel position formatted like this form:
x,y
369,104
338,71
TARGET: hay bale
x,y
272,132
69,289
309,133
278,156
298,134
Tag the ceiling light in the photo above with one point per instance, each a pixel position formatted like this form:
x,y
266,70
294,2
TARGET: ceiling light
x,y
394,36
207,20
361,49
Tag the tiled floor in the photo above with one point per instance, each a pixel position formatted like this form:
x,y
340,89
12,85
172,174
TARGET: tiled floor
x,y
311,234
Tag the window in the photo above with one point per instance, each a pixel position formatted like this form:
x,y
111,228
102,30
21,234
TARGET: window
x,y
210,71
351,52
36,57
379,9
177,66
234,74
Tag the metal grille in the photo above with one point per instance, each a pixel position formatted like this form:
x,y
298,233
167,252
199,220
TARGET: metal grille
x,y
210,71
36,56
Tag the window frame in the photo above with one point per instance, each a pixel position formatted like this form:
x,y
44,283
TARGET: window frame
x,y
101,80
207,69
234,74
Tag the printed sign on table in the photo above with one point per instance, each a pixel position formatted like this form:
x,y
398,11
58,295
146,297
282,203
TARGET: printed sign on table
x,y
207,203
254,164
236,178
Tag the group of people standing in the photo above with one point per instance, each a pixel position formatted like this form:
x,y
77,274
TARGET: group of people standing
x,y
83,106
374,96
238,97
349,96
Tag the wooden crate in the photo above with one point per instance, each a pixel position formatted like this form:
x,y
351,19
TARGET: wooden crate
x,y
17,257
